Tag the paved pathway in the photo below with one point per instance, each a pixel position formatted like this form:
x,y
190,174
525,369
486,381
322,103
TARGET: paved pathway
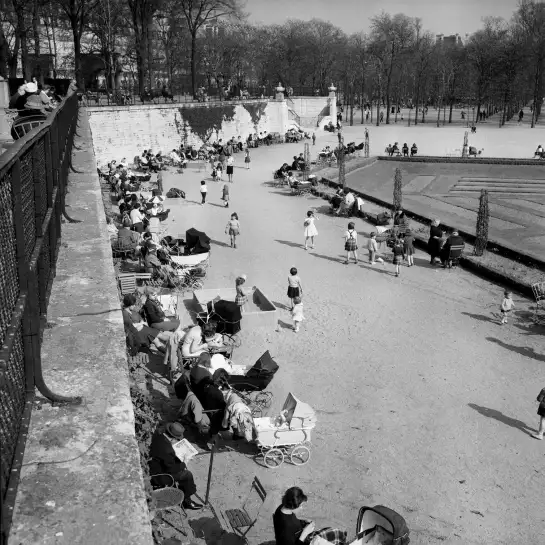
x,y
424,402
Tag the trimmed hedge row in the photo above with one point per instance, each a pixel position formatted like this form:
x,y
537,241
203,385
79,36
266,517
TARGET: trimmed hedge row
x,y
464,160
509,253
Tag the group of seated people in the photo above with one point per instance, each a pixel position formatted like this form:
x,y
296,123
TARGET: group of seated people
x,y
262,139
540,152
149,161
286,170
296,135
343,201
330,127
33,98
394,150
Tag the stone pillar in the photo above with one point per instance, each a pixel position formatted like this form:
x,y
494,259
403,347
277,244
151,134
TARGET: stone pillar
x,y
5,135
282,109
333,104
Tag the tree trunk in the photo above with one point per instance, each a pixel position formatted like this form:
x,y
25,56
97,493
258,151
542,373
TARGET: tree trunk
x,y
21,32
417,100
351,106
4,54
194,63
77,57
450,112
35,22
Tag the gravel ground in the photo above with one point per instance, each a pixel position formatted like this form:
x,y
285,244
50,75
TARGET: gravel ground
x,y
424,402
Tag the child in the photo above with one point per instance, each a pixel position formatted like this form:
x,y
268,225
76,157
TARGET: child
x,y
225,195
408,247
398,254
310,229
295,288
247,159
214,173
242,294
372,246
233,229
204,190
351,243
297,313
541,412
313,138
219,170
506,306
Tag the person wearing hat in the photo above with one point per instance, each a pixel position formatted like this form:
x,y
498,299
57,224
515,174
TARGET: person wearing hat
x,y
164,462
155,313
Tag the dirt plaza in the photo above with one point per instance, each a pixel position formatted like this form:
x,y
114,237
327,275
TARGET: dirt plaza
x,y
425,403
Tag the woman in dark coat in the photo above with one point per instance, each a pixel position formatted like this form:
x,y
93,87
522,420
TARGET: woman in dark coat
x,y
211,399
435,241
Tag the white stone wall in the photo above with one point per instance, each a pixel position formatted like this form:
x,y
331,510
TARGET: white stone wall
x,y
125,131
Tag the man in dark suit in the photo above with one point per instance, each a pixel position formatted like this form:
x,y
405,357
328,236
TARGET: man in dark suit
x,y
163,459
453,240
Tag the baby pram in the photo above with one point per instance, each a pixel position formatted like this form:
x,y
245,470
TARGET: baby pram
x,y
381,525
287,434
226,314
196,242
257,377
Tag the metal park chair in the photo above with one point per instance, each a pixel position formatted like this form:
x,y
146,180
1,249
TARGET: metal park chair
x,y
538,289
242,520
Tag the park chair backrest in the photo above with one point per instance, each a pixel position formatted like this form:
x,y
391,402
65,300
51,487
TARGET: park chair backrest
x,y
456,251
127,283
255,500
538,290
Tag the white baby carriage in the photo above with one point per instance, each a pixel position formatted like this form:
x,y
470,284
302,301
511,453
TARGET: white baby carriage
x,y
286,435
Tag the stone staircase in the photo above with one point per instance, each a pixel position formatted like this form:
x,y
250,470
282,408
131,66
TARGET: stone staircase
x,y
512,187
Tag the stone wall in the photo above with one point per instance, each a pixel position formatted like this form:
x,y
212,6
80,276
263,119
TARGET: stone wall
x,y
310,109
125,131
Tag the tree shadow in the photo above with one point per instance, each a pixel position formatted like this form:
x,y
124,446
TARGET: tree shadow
x,y
219,243
525,351
479,317
216,205
500,417
292,244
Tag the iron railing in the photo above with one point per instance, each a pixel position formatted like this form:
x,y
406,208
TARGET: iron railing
x,y
33,178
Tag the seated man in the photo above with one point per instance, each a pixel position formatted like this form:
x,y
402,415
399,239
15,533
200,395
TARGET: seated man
x,y
539,152
348,202
389,149
405,150
337,199
163,462
295,163
414,150
282,171
453,240
395,149
127,238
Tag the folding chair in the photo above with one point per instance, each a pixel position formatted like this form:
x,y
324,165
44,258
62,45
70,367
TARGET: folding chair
x,y
454,255
242,520
127,283
538,289
122,250
166,498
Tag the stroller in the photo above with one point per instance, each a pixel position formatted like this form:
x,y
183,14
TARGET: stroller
x,y
196,242
258,376
226,314
381,526
287,434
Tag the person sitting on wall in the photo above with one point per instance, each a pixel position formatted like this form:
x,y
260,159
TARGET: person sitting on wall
x,y
453,240
405,150
295,163
337,200
414,150
282,171
347,203
164,465
540,154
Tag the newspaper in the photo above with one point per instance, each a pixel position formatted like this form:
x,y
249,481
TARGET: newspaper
x,y
185,450
169,303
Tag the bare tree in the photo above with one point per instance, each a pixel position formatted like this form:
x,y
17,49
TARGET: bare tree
x,y
391,37
77,13
197,14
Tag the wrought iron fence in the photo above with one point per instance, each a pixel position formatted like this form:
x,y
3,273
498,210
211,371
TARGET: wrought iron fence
x,y
33,176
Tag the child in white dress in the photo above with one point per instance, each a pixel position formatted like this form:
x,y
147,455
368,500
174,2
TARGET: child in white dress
x,y
310,229
297,314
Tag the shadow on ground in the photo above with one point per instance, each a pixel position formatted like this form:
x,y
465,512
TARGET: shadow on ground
x,y
209,529
525,351
500,417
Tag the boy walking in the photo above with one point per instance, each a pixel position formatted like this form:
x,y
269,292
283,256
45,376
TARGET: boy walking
x,y
297,313
372,247
506,306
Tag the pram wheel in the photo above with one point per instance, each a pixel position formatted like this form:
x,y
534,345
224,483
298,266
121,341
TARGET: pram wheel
x,y
273,458
299,455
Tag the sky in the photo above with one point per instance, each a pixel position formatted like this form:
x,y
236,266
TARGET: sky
x,y
438,16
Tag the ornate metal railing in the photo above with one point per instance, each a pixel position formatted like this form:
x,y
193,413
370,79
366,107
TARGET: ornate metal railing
x,y
33,178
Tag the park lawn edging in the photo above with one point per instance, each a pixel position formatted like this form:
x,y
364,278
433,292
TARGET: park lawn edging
x,y
478,160
469,262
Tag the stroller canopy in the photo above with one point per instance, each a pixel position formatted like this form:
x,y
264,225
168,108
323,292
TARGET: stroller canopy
x,y
197,241
301,411
370,517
